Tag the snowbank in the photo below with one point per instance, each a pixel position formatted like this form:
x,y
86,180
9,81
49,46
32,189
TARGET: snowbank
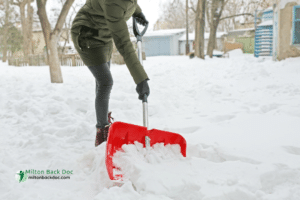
x,y
240,117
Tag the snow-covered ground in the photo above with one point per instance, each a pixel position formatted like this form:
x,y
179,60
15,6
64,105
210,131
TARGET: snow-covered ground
x,y
240,117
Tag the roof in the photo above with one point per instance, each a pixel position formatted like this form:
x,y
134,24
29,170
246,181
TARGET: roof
x,y
191,37
266,23
165,32
240,30
206,36
268,9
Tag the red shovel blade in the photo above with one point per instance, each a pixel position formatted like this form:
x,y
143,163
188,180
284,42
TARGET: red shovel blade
x,y
122,133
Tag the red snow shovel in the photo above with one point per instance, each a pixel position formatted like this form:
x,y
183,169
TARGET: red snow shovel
x,y
123,133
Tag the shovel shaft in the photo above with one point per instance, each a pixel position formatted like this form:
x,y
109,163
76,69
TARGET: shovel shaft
x,y
139,36
145,114
139,45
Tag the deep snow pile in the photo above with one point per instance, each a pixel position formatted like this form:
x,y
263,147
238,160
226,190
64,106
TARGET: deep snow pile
x,y
240,117
155,166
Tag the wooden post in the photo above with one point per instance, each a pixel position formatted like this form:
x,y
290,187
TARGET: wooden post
x,y
73,60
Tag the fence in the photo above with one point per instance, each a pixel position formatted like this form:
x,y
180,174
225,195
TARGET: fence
x,y
41,60
248,44
65,60
71,60
228,46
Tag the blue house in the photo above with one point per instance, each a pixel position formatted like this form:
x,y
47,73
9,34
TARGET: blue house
x,y
263,45
162,42
278,33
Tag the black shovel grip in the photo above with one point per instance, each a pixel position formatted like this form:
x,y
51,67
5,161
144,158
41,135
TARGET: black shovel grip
x,y
145,98
136,30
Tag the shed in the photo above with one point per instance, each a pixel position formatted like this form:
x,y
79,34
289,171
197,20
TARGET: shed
x,y
219,41
162,42
244,37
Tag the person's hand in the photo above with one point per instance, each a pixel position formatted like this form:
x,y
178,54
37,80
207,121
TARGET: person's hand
x,y
140,18
143,88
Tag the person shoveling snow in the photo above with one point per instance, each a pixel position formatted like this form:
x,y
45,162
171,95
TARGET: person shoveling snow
x,y
94,42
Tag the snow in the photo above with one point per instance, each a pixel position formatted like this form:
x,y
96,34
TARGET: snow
x,y
266,23
283,3
165,32
68,44
246,29
191,37
206,36
239,115
268,9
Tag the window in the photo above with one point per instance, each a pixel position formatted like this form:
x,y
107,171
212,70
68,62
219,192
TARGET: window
x,y
296,25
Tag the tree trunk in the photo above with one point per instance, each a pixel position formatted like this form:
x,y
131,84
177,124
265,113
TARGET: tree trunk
x,y
29,29
55,70
200,26
24,29
212,40
5,34
51,37
215,19
26,22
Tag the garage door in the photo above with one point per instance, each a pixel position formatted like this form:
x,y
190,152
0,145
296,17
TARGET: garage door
x,y
157,46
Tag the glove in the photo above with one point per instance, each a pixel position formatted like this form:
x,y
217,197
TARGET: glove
x,y
140,18
143,88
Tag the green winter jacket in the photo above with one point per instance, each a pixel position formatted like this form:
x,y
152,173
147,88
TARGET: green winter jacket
x,y
109,18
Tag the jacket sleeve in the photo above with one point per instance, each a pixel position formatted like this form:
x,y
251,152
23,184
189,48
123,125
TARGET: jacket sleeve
x,y
114,14
138,10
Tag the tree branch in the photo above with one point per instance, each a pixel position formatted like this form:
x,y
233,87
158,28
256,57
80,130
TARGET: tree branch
x,y
62,16
237,16
193,9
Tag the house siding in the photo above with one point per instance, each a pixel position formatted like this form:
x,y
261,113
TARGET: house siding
x,y
284,48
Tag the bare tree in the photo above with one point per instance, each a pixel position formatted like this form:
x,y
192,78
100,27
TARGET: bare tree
x,y
235,8
217,7
26,22
241,11
52,36
65,33
173,16
5,34
200,26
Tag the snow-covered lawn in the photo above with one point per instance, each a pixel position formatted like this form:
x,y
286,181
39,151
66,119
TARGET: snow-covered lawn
x,y
240,117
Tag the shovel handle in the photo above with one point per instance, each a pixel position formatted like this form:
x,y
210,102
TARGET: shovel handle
x,y
145,111
136,30
139,36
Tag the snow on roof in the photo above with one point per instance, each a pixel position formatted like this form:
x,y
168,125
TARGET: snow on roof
x,y
165,32
191,37
206,36
266,23
283,3
37,30
268,9
246,29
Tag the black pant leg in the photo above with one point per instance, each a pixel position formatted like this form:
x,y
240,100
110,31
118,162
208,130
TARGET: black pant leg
x,y
104,83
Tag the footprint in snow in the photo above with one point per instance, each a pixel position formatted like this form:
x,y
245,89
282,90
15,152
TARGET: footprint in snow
x,y
292,150
221,118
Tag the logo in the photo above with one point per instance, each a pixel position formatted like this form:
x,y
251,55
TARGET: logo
x,y
21,176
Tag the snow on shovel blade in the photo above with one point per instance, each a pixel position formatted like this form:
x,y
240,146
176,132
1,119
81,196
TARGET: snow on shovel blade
x,y
123,133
